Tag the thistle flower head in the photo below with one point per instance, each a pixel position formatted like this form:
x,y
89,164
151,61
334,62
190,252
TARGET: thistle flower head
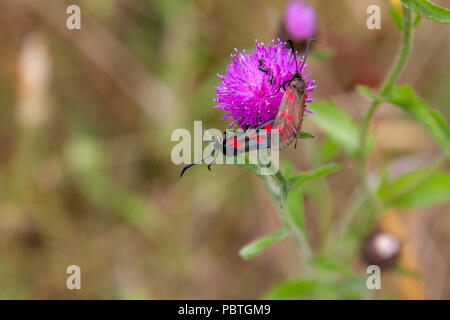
x,y
300,20
251,89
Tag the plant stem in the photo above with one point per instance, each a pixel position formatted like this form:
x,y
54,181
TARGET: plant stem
x,y
299,237
368,201
387,86
278,192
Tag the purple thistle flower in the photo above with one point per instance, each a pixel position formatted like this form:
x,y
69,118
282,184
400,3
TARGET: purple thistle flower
x,y
249,94
300,20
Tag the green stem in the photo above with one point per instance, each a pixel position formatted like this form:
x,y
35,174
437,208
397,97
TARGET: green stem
x,y
279,192
387,86
299,237
369,203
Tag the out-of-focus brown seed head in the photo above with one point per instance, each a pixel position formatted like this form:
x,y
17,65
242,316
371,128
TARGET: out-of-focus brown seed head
x,y
380,248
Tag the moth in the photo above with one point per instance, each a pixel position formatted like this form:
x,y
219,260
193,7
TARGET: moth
x,y
289,118
287,122
234,142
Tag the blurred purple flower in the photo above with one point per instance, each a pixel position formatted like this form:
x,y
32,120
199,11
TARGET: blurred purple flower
x,y
300,20
249,94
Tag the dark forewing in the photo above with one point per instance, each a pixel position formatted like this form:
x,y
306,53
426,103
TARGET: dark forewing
x,y
289,117
251,139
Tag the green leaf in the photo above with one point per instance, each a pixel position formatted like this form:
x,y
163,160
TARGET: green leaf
x,y
288,169
405,98
294,209
420,189
337,124
433,190
297,180
328,150
292,289
315,288
429,10
305,135
417,19
397,17
383,183
322,54
329,264
365,91
256,247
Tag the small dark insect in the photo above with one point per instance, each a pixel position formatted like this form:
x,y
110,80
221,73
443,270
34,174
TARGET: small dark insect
x,y
264,69
261,66
288,120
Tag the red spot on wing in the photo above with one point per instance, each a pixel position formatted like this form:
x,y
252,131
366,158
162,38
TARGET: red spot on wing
x,y
259,139
234,143
290,95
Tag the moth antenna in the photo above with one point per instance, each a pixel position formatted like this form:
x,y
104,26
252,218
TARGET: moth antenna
x,y
187,167
306,53
295,55
193,164
213,160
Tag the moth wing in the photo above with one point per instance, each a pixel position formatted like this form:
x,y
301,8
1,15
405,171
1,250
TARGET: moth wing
x,y
233,142
238,141
257,138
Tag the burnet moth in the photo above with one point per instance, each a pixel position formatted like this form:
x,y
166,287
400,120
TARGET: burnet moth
x,y
289,118
288,121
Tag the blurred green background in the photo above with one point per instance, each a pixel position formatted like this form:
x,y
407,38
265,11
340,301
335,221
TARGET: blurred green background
x,y
85,171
